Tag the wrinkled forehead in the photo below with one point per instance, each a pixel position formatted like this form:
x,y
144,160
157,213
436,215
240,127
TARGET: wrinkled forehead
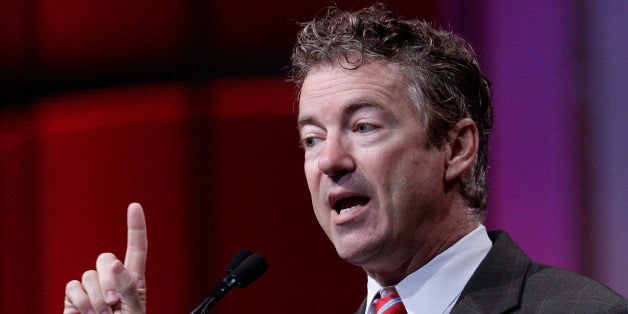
x,y
327,77
332,90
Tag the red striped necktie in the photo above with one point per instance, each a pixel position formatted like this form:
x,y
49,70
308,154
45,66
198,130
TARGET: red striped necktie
x,y
388,302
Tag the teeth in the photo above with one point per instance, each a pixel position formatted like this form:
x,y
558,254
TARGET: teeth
x,y
348,210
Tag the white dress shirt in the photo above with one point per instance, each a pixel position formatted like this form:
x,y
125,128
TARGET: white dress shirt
x,y
435,287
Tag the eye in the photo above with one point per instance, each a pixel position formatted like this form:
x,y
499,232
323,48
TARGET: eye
x,y
364,128
310,141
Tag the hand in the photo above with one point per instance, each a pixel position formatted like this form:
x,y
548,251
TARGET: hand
x,y
114,287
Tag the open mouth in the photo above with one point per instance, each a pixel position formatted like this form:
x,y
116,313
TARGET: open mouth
x,y
349,204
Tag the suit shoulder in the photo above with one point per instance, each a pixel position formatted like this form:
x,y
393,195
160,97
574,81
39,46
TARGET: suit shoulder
x,y
547,289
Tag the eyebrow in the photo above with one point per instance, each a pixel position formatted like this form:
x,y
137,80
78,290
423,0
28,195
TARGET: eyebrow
x,y
356,106
306,120
361,104
347,111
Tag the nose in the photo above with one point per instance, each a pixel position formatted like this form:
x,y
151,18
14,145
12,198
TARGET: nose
x,y
335,159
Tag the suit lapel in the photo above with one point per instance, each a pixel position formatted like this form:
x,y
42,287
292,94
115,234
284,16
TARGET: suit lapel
x,y
497,284
362,308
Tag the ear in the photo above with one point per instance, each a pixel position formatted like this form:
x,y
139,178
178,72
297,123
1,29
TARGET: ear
x,y
462,148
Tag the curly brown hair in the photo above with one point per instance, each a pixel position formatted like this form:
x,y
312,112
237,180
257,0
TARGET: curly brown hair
x,y
445,80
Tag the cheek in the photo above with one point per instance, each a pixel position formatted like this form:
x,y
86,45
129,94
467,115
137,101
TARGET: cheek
x,y
392,167
322,217
421,185
407,172
312,178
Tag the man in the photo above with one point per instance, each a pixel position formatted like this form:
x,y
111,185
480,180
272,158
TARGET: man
x,y
394,118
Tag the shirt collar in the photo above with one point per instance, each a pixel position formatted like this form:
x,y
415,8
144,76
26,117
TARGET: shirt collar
x,y
435,287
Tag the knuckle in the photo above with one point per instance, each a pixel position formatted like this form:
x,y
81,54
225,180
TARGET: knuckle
x,y
83,304
89,275
72,285
79,301
129,288
127,284
103,263
97,301
106,256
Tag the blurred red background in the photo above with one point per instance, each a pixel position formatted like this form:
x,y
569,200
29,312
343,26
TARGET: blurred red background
x,y
181,106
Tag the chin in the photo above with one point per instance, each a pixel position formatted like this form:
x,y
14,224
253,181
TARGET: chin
x,y
354,252
351,257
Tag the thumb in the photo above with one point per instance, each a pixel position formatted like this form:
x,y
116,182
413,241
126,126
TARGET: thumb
x,y
127,287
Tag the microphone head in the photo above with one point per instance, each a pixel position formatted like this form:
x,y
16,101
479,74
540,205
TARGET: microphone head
x,y
237,259
249,270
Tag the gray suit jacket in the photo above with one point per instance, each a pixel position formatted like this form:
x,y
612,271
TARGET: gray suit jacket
x,y
508,282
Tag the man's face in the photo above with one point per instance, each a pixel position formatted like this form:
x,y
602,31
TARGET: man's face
x,y
375,186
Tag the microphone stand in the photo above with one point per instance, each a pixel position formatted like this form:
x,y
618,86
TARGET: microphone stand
x,y
243,269
220,291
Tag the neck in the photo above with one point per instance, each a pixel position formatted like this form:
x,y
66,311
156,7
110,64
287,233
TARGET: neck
x,y
427,243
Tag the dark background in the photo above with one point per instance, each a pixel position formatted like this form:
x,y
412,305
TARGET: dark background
x,y
183,106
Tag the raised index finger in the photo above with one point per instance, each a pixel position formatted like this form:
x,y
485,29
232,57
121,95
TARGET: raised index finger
x,y
137,243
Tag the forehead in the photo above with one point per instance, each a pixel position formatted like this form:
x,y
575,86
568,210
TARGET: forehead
x,y
374,82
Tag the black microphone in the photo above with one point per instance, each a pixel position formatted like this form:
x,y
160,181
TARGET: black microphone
x,y
249,270
244,268
237,259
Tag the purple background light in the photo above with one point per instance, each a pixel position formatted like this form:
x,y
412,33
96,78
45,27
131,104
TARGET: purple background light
x,y
557,151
